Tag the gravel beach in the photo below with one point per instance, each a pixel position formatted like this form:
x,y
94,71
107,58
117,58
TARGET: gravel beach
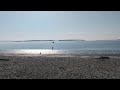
x,y
58,67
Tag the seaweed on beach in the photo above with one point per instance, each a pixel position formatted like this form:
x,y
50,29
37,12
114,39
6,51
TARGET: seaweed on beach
x,y
4,59
103,57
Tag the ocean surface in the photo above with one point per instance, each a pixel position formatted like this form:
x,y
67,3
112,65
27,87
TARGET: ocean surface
x,y
61,47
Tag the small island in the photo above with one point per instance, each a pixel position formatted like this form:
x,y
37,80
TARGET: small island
x,y
44,40
71,40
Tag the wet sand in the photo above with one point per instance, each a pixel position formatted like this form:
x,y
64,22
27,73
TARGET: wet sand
x,y
58,67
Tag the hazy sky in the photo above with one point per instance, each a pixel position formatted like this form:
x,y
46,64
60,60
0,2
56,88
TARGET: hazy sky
x,y
88,25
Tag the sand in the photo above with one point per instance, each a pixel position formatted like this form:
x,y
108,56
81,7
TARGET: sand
x,y
58,67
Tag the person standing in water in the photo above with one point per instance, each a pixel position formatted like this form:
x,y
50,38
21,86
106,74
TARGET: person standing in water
x,y
52,47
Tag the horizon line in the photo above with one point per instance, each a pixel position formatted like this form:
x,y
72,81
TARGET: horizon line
x,y
53,40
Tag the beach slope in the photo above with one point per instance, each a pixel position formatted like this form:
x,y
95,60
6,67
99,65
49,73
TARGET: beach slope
x,y
58,67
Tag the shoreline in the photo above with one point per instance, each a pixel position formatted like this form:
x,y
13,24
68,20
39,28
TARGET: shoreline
x,y
61,55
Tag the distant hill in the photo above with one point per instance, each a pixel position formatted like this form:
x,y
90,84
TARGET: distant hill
x,y
44,40
50,40
71,40
37,40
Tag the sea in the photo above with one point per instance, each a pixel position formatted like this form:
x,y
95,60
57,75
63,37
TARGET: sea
x,y
100,47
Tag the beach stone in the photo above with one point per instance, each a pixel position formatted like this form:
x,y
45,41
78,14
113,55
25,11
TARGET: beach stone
x,y
55,67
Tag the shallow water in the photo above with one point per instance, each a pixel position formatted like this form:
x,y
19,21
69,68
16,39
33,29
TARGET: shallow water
x,y
61,47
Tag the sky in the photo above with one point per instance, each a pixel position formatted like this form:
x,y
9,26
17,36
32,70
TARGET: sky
x,y
85,25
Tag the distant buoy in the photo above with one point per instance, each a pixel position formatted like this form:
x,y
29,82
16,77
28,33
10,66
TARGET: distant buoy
x,y
52,42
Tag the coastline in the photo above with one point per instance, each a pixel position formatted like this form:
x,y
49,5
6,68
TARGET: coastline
x,y
60,55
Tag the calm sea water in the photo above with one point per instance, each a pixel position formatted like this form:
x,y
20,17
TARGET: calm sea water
x,y
61,47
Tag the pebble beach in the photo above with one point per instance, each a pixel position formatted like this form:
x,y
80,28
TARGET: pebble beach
x,y
58,67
